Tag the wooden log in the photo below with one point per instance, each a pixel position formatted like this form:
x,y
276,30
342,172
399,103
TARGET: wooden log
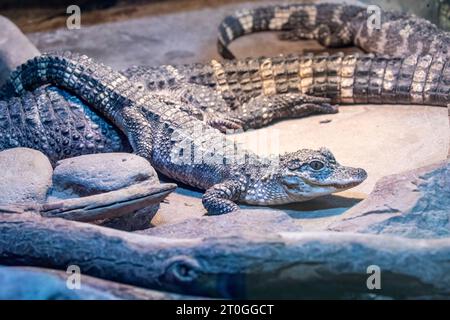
x,y
283,265
30,283
111,204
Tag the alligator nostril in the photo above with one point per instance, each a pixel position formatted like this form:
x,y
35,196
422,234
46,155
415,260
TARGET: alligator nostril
x,y
362,174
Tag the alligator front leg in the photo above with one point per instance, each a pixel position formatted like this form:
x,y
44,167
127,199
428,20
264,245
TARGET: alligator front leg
x,y
139,132
262,110
205,104
222,122
219,199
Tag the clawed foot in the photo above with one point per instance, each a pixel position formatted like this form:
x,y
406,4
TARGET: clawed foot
x,y
224,123
220,198
303,105
311,107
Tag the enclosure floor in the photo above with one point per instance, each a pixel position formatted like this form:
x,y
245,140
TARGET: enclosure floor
x,y
382,139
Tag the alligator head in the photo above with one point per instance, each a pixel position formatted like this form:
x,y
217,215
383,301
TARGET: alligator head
x,y
300,176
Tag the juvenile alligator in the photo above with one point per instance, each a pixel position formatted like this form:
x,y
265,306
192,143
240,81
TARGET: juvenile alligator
x,y
338,25
160,129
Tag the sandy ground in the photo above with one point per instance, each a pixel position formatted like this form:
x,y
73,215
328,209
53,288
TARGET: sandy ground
x,y
383,139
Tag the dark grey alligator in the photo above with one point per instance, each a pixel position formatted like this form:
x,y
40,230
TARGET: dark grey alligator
x,y
58,124
178,144
336,25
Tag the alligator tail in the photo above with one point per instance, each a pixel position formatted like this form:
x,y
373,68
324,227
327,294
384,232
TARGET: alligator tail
x,y
282,18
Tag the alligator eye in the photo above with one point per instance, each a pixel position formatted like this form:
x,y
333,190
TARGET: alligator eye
x,y
316,165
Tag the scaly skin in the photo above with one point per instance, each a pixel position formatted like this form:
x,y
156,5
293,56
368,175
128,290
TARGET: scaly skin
x,y
338,25
58,124
161,130
71,129
243,94
254,92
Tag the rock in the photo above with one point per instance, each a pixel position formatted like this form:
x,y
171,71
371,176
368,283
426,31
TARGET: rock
x,y
107,205
139,220
26,176
415,204
28,283
98,173
244,222
18,284
15,48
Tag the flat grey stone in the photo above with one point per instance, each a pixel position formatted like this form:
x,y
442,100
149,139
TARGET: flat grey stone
x,y
139,220
26,176
415,204
97,173
20,284
28,283
15,48
244,222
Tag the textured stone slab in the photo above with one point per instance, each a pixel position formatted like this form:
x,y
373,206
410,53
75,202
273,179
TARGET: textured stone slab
x,y
25,283
413,204
245,222
26,176
97,173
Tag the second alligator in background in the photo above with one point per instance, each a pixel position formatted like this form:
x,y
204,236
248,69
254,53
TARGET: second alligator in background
x,y
334,25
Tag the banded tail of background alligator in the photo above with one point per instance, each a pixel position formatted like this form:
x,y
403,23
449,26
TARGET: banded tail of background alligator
x,y
345,79
337,25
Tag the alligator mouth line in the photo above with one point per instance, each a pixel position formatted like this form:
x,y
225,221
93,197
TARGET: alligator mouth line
x,y
339,185
293,186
